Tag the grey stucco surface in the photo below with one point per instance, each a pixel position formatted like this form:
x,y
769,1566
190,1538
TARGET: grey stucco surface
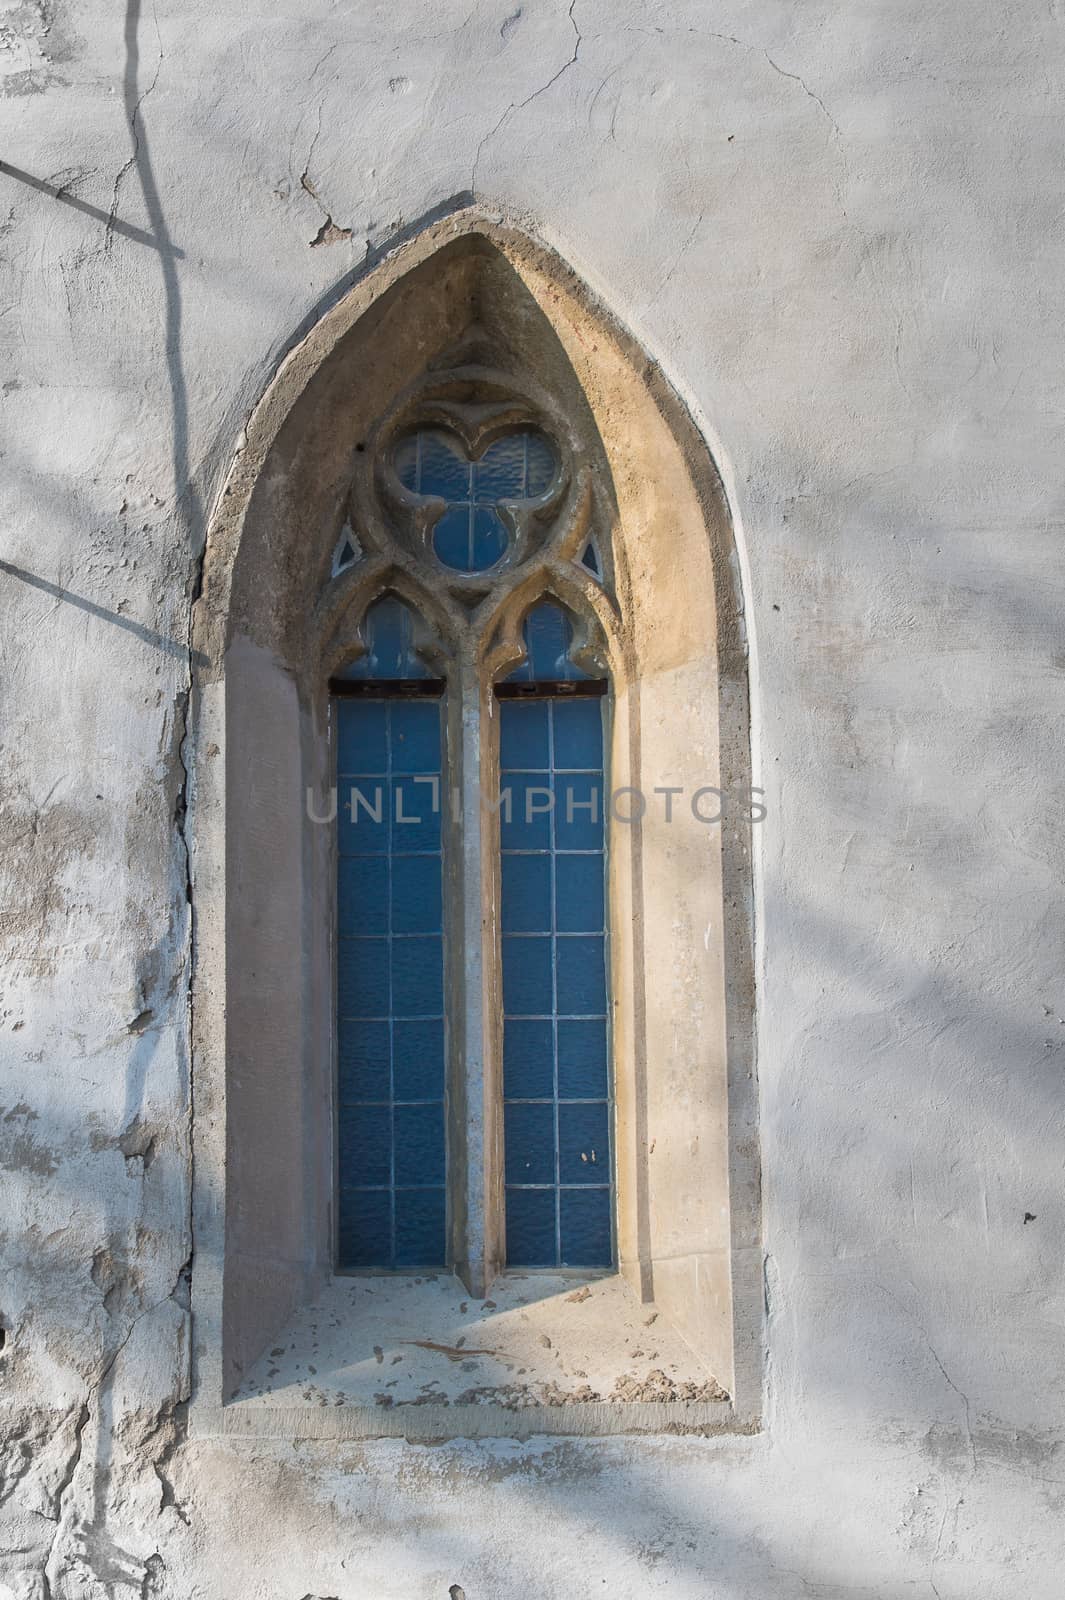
x,y
837,227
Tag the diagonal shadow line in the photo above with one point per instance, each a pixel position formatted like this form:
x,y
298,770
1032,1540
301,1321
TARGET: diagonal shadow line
x,y
142,161
113,224
158,641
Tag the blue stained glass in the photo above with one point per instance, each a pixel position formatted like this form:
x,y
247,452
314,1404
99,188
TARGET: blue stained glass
x,y
390,1029
556,1092
362,894
489,539
420,1215
362,977
527,894
582,1063
415,813
581,977
526,804
365,1219
451,538
584,1227
363,1059
527,974
415,736
578,811
444,469
470,535
531,1227
388,629
362,737
417,977
583,1143
579,737
548,635
419,1132
418,1058
416,894
579,905
529,1135
528,1057
365,1143
523,737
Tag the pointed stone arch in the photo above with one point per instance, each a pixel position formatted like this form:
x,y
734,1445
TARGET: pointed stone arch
x,y
470,295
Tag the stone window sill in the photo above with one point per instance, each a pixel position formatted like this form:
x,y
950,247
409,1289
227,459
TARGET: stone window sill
x,y
417,1357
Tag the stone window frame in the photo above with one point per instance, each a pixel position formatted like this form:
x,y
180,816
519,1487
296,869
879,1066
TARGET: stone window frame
x,y
269,566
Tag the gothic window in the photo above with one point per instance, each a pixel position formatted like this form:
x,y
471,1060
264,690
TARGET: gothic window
x,y
473,1004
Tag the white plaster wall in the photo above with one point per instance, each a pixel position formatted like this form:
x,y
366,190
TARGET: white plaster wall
x,y
838,227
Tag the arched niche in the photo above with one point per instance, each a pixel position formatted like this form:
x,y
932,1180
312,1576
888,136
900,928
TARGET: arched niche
x,y
273,616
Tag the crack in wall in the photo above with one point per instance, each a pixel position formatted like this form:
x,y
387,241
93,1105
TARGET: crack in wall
x,y
330,232
519,105
109,230
91,1407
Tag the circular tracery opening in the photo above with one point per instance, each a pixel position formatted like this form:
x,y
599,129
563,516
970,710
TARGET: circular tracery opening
x,y
471,536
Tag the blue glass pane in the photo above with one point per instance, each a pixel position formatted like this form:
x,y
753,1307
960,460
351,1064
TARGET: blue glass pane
x,y
452,539
579,894
578,729
365,1144
585,1227
581,977
489,536
365,1219
527,894
500,473
416,736
582,1060
590,559
419,1132
531,1227
529,1136
578,812
390,987
416,900
417,988
415,819
388,629
418,1060
528,1058
525,821
445,471
583,1143
362,815
420,1226
362,737
362,893
548,635
363,1060
527,988
362,978
523,738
